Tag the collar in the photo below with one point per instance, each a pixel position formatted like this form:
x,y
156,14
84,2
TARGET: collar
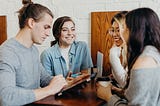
x,y
72,50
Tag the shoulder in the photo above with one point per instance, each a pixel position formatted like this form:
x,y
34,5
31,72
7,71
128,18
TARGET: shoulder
x,y
144,62
7,48
80,43
7,54
114,49
48,51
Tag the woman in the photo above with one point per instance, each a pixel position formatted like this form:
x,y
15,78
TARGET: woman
x,y
143,30
66,55
118,52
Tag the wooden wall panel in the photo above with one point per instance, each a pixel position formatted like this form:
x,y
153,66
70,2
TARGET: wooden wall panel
x,y
3,29
100,39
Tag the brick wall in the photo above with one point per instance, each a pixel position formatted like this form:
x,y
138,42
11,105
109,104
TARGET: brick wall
x,y
79,10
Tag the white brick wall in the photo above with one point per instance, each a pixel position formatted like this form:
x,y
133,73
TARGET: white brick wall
x,y
79,10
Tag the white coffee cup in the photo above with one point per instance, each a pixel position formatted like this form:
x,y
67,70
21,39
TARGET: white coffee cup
x,y
104,83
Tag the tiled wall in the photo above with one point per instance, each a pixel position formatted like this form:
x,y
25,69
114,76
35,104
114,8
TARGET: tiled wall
x,y
79,10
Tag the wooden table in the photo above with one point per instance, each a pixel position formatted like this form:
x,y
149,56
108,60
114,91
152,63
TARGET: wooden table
x,y
84,96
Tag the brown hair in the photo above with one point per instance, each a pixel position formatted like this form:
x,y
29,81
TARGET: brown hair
x,y
144,29
57,27
31,10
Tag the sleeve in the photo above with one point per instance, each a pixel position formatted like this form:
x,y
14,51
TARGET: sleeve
x,y
10,94
118,71
138,90
136,93
117,101
87,60
45,77
46,62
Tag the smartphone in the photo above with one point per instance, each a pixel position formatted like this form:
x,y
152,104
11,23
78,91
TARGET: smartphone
x,y
75,75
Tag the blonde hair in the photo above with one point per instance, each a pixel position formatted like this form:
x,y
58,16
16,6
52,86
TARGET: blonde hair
x,y
120,19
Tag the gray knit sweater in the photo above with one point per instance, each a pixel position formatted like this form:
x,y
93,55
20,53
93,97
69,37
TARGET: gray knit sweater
x,y
144,87
20,73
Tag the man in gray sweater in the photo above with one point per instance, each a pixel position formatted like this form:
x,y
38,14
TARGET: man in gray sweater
x,y
23,80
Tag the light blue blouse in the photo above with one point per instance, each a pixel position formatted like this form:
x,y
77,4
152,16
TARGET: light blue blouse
x,y
79,59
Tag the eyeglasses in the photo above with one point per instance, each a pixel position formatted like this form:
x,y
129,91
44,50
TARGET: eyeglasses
x,y
111,31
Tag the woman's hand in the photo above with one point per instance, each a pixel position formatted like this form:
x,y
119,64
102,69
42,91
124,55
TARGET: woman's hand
x,y
118,91
104,92
114,88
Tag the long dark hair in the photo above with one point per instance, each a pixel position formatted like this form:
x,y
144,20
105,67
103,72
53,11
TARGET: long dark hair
x,y
144,29
31,10
57,27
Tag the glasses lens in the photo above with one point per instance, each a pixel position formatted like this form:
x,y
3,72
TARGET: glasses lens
x,y
111,31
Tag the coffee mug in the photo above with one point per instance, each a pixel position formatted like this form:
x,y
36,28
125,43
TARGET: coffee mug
x,y
104,81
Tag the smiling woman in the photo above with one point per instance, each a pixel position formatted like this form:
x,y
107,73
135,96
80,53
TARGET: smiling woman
x,y
66,55
143,31
100,38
